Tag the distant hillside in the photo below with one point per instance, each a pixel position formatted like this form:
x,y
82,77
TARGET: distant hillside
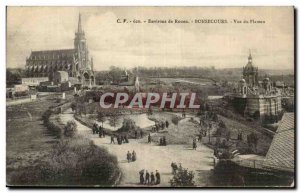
x,y
261,72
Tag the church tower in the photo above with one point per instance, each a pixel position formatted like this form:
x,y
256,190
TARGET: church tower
x,y
81,47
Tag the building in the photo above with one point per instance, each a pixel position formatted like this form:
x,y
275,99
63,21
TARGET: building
x,y
281,154
34,81
259,100
250,72
75,61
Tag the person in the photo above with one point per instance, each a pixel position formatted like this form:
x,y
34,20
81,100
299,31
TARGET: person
x,y
112,139
133,156
174,167
119,140
152,178
194,144
135,133
141,176
147,180
94,128
164,141
149,138
128,156
157,177
167,123
160,141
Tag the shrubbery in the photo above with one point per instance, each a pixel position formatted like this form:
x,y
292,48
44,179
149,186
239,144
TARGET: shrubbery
x,y
183,178
70,129
73,162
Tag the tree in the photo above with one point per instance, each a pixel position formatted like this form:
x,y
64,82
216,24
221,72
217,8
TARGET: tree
x,y
115,74
70,129
183,178
175,120
128,125
101,117
114,119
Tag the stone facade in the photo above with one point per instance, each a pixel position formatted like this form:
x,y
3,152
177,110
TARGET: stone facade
x,y
75,62
254,99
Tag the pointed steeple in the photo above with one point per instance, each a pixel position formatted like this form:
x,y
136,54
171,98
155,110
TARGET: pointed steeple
x,y
79,30
250,56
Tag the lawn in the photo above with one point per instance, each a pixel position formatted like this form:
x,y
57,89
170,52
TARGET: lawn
x,y
27,140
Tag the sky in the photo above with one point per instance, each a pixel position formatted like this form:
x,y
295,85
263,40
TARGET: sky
x,y
129,45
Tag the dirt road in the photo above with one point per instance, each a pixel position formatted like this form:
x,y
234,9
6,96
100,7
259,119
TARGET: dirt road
x,y
152,157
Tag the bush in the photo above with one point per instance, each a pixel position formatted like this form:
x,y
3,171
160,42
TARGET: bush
x,y
183,178
73,162
175,120
70,129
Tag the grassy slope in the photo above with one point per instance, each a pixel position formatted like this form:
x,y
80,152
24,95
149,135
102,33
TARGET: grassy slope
x,y
26,140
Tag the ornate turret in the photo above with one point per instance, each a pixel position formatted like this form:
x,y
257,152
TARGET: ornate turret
x,y
250,73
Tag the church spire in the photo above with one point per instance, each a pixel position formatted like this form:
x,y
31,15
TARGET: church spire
x,y
79,24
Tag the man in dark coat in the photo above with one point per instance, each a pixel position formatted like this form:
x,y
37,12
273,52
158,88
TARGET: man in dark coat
x,y
135,133
167,123
141,176
152,178
194,144
133,156
147,181
128,156
157,177
164,141
94,128
149,138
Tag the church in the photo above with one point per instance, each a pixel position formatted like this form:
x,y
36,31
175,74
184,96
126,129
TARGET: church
x,y
255,98
74,61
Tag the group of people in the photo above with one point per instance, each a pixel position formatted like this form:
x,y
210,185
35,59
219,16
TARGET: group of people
x,y
162,141
150,178
136,134
120,139
160,126
131,157
98,130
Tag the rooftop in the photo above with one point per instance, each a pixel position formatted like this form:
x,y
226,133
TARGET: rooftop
x,y
281,153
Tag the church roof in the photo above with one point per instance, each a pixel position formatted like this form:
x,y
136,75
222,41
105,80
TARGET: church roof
x,y
281,153
52,54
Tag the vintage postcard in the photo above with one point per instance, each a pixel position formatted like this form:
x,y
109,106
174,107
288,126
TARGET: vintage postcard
x,y
149,97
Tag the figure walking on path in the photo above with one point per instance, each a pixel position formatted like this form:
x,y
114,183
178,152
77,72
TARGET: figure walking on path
x,y
133,156
128,156
157,177
174,167
147,181
152,178
194,144
149,138
141,177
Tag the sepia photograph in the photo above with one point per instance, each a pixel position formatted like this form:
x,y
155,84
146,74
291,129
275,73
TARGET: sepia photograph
x,y
150,97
